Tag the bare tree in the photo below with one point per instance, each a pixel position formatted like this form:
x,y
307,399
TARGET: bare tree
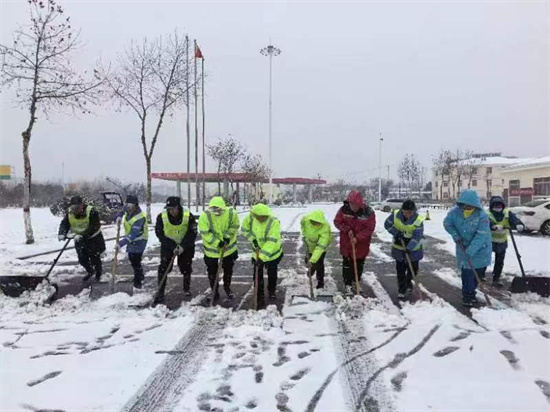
x,y
227,152
470,165
258,171
444,165
410,171
38,66
151,80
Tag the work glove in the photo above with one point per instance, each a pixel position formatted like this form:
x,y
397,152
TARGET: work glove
x,y
306,259
118,220
398,237
178,250
78,238
255,243
520,228
62,238
222,243
354,240
498,228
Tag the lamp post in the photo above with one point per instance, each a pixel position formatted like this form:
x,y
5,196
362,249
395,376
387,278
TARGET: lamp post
x,y
270,51
380,169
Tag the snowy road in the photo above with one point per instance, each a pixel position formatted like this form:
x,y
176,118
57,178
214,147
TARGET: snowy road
x,y
368,353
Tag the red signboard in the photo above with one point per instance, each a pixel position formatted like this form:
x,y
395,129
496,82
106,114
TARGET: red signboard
x,y
525,191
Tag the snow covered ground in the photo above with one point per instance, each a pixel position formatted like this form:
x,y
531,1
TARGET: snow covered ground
x,y
103,355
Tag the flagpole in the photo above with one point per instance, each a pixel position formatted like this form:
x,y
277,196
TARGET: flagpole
x,y
203,144
196,135
188,129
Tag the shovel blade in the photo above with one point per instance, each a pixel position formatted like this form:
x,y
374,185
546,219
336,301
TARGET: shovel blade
x,y
102,289
536,284
14,286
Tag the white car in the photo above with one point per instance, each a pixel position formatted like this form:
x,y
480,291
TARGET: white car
x,y
535,215
391,204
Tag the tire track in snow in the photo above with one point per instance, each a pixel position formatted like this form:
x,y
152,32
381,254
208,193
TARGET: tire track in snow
x,y
166,384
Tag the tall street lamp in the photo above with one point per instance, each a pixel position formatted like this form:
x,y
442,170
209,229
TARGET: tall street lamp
x,y
270,51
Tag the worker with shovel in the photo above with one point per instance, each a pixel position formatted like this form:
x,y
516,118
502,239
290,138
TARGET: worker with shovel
x,y
136,233
176,229
502,220
356,222
263,230
219,226
82,221
469,226
317,237
407,228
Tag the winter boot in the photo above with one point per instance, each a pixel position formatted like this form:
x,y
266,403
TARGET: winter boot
x,y
497,283
229,293
401,295
272,295
137,283
87,277
186,292
349,290
320,285
159,300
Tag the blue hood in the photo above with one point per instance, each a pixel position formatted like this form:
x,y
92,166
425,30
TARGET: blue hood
x,y
469,197
496,199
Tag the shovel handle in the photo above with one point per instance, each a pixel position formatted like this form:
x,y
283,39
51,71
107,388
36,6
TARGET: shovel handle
x,y
165,276
407,256
257,252
355,271
115,260
475,273
58,256
220,264
310,276
517,252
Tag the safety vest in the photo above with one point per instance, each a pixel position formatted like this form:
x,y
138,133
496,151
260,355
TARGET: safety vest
x,y
175,232
317,238
129,223
261,234
502,236
407,230
79,225
213,229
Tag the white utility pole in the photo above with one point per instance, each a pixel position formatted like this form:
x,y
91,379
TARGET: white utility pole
x,y
380,169
270,51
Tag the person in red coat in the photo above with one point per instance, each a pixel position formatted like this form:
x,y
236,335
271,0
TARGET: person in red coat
x,y
356,222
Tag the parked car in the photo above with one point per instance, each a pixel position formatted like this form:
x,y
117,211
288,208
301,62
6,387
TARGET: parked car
x,y
391,204
376,205
535,215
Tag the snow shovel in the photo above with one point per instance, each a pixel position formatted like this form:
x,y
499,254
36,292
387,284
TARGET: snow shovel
x,y
98,290
162,284
536,284
476,275
256,280
14,286
355,271
416,287
216,286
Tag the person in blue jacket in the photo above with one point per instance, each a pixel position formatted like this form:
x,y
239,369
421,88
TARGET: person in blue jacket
x,y
469,226
407,227
502,220
136,233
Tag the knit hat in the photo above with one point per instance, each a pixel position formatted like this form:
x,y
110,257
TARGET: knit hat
x,y
173,201
76,200
408,205
355,198
132,199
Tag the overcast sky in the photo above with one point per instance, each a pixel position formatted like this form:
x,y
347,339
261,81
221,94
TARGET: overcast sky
x,y
428,75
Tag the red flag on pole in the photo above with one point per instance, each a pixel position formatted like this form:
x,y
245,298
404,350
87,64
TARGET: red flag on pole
x,y
198,53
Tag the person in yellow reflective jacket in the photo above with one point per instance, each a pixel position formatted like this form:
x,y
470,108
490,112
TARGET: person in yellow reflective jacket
x,y
82,221
136,233
317,237
263,230
218,227
176,229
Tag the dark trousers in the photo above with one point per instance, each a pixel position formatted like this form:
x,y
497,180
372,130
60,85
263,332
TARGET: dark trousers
x,y
319,269
469,282
89,254
348,270
499,264
227,266
404,275
135,261
184,262
271,268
